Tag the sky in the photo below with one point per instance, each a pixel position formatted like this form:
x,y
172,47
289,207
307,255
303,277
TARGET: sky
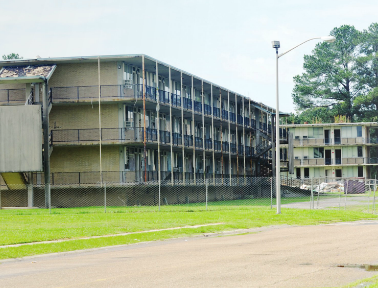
x,y
225,42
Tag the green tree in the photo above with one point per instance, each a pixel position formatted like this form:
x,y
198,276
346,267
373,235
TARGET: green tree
x,y
316,114
12,56
330,79
367,68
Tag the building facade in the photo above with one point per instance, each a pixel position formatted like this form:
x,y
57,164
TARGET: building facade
x,y
132,118
334,150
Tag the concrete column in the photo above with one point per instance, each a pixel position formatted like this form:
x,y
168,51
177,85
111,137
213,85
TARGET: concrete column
x,y
212,129
244,171
46,145
236,136
30,191
229,136
193,132
158,119
203,135
182,130
171,120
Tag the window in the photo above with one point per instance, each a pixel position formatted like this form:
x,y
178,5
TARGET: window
x,y
360,171
359,151
306,172
298,173
339,173
319,152
359,131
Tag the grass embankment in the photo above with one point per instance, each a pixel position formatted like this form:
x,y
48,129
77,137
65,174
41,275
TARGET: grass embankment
x,y
27,226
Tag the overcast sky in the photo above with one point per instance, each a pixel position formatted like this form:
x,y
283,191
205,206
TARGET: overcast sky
x,y
225,42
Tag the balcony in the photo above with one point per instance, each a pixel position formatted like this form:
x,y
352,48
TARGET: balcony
x,y
91,136
163,97
207,109
199,143
225,146
249,151
240,149
187,103
217,145
176,100
232,117
197,107
253,123
12,96
240,120
224,115
327,142
233,148
188,140
372,140
246,121
216,112
208,144
330,161
177,139
165,137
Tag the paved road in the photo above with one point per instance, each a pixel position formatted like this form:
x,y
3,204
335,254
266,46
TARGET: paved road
x,y
273,257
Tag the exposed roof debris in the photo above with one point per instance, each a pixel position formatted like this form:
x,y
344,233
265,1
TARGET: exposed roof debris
x,y
26,71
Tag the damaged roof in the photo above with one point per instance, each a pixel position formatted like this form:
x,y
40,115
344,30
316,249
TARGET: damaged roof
x,y
26,71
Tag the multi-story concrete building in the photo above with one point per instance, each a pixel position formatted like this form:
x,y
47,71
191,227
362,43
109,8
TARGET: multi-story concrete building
x,y
129,117
335,150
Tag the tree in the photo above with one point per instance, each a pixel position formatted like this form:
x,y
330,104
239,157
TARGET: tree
x,y
367,68
11,56
330,79
314,115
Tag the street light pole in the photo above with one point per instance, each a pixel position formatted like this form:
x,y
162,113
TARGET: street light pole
x,y
276,45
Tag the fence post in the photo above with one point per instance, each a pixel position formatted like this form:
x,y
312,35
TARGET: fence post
x,y
159,190
105,196
206,193
0,197
317,202
375,189
368,181
312,196
346,193
271,192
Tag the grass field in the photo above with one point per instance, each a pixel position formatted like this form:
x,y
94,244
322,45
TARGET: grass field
x,y
27,226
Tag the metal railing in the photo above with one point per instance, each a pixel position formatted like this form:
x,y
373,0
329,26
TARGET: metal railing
x,y
188,140
207,109
165,137
176,100
232,117
208,144
187,103
177,139
224,115
12,96
216,112
199,143
240,120
217,145
233,148
197,107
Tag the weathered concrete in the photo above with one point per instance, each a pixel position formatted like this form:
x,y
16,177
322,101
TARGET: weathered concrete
x,y
275,257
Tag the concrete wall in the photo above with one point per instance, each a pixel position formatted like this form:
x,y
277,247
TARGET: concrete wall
x,y
85,158
84,116
84,74
20,138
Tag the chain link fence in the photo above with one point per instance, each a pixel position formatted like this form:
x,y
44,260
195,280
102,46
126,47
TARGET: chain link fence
x,y
222,193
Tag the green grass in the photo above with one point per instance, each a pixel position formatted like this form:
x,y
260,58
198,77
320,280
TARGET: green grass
x,y
25,226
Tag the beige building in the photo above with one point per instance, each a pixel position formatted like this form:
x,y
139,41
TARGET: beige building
x,y
143,117
335,150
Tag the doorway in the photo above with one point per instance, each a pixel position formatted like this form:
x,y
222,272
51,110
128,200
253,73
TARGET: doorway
x,y
337,136
328,160
326,137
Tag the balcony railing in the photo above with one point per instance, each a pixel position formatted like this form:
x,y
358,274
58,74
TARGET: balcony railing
x,y
327,141
233,148
217,145
163,97
246,121
199,143
197,107
188,140
216,112
232,117
240,120
253,123
187,103
224,115
177,139
12,96
207,109
249,151
165,137
91,135
176,100
240,149
225,146
208,144
330,161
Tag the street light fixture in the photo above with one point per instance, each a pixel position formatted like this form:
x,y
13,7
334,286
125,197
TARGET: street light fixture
x,y
276,45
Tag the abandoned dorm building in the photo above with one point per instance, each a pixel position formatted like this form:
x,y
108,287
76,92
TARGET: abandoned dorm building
x,y
132,118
